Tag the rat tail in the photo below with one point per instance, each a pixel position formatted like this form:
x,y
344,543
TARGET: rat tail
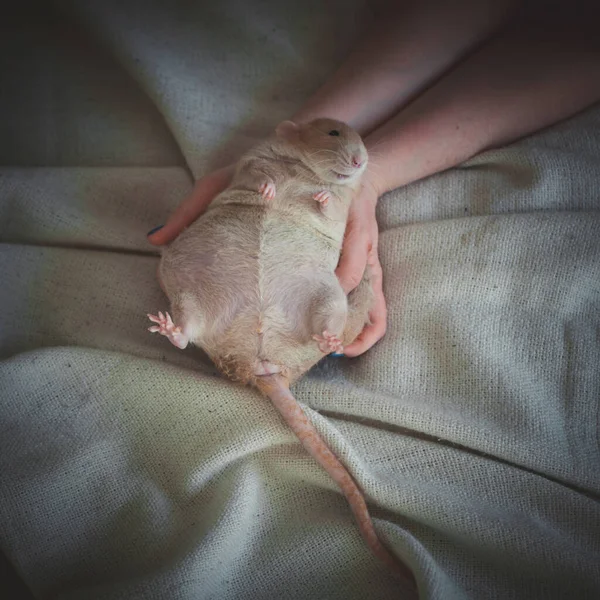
x,y
276,388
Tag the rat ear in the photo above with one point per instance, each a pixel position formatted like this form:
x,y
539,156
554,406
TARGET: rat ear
x,y
287,130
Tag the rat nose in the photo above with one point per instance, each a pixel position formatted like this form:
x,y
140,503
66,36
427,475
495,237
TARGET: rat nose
x,y
356,162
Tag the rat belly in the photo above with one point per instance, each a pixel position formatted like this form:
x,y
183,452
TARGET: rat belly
x,y
252,289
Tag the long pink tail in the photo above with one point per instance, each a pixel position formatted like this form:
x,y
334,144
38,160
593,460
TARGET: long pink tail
x,y
275,387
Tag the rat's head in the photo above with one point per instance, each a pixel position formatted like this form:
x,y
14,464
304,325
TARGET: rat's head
x,y
332,149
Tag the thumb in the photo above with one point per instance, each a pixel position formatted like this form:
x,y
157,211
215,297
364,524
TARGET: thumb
x,y
353,261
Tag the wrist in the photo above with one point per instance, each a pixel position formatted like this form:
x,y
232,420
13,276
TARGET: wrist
x,y
370,189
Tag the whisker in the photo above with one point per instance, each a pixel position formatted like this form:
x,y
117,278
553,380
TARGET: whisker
x,y
374,148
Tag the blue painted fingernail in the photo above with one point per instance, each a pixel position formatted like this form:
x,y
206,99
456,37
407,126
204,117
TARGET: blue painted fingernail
x,y
336,355
154,230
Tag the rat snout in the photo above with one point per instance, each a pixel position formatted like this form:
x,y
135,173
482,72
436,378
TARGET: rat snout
x,y
357,161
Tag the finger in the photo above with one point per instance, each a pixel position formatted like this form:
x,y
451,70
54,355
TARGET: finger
x,y
376,329
353,261
372,333
193,206
375,271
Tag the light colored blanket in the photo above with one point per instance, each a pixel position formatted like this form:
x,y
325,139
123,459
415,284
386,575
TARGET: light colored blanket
x,y
129,469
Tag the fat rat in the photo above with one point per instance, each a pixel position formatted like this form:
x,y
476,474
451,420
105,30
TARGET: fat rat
x,y
252,281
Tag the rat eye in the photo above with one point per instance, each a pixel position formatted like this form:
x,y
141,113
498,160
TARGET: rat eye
x,y
334,132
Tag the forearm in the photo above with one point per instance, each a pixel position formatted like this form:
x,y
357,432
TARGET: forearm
x,y
523,80
405,50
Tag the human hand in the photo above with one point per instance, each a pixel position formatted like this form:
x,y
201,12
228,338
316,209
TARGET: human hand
x,y
205,189
359,250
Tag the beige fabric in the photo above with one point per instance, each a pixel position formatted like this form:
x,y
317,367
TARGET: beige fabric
x,y
129,470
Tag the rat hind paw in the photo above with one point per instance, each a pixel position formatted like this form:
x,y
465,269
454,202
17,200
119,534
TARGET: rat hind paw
x,y
267,190
329,343
165,326
323,197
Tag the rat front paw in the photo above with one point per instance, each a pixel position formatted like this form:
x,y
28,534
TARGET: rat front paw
x,y
267,190
329,343
323,197
165,326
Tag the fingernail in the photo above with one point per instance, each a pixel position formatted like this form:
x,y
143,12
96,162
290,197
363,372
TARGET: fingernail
x,y
336,355
154,230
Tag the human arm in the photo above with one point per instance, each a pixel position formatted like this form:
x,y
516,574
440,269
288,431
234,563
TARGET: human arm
x,y
531,75
407,47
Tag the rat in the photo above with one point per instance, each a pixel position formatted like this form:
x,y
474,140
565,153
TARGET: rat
x,y
252,281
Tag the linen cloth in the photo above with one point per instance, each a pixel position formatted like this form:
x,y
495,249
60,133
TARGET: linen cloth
x,y
130,469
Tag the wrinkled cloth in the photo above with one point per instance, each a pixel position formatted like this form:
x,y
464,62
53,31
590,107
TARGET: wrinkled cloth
x,y
130,469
